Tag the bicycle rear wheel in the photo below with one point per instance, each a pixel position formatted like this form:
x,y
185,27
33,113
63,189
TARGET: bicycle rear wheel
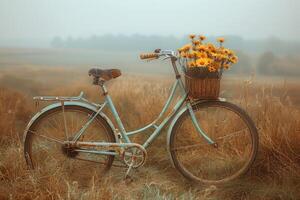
x,y
227,125
44,149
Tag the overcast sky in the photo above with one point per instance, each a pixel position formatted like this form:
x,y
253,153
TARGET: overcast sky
x,y
83,18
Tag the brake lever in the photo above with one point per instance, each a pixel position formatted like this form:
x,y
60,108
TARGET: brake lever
x,y
165,57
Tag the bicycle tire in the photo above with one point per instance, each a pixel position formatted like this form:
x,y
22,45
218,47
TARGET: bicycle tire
x,y
219,104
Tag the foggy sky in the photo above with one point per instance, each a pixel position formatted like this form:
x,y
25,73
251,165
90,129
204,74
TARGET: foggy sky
x,y
82,18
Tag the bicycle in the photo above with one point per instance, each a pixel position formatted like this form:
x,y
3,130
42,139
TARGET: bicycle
x,y
209,141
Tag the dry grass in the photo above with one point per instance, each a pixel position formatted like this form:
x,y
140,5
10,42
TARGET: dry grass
x,y
273,105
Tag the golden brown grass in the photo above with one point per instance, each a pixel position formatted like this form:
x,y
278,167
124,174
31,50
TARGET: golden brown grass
x,y
274,106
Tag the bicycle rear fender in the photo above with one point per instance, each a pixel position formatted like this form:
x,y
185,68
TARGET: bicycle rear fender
x,y
73,103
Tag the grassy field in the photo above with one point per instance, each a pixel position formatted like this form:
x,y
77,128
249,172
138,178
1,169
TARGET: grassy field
x,y
272,103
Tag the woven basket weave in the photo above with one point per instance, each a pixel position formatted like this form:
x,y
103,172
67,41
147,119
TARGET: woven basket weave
x,y
201,86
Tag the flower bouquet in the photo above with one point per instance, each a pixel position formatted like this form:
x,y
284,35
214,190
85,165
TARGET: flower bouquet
x,y
204,64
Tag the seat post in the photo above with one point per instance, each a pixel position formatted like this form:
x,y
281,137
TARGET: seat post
x,y
104,90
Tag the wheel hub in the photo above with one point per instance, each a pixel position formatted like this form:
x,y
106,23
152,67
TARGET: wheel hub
x,y
69,151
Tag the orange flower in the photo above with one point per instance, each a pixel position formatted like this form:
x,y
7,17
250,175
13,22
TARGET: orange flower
x,y
192,36
201,55
209,61
211,47
226,66
211,69
214,54
196,42
201,48
194,53
213,51
202,37
186,47
233,59
202,62
191,54
191,64
226,51
221,57
216,65
221,39
183,54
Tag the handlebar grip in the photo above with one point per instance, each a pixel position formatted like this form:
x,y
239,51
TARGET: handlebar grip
x,y
148,56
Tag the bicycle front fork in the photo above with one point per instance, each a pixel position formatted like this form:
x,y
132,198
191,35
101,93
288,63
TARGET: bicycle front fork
x,y
197,126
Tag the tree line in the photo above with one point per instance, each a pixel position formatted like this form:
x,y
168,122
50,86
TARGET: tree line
x,y
271,56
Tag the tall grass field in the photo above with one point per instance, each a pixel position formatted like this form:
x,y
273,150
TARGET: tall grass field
x,y
273,104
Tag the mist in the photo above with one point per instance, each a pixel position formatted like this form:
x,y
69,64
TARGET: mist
x,y
113,33
35,23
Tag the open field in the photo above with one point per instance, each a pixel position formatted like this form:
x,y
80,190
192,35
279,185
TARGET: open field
x,y
274,104
275,174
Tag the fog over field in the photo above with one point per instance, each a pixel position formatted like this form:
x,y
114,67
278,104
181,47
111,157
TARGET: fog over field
x,y
47,48
264,33
250,19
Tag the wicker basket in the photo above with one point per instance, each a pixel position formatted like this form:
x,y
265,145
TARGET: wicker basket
x,y
202,87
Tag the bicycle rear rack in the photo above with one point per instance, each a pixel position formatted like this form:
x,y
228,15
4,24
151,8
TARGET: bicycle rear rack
x,y
59,98
62,99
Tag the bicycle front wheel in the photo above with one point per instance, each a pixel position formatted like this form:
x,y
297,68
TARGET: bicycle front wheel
x,y
229,127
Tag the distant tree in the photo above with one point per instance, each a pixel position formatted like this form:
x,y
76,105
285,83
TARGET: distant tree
x,y
244,65
266,63
70,42
57,42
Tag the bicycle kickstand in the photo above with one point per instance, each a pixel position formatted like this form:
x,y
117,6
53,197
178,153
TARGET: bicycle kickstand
x,y
128,171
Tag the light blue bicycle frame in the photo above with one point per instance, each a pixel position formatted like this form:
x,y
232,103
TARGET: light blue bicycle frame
x,y
125,135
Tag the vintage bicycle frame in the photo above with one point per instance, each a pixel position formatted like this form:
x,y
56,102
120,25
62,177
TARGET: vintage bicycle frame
x,y
178,84
122,133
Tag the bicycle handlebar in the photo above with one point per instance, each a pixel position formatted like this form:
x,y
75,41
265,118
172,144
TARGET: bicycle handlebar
x,y
149,55
159,53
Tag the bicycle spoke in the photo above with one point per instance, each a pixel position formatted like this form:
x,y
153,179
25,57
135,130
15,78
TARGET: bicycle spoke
x,y
197,145
49,122
57,125
47,138
231,134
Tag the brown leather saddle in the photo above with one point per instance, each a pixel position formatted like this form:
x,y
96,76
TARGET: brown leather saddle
x,y
105,74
